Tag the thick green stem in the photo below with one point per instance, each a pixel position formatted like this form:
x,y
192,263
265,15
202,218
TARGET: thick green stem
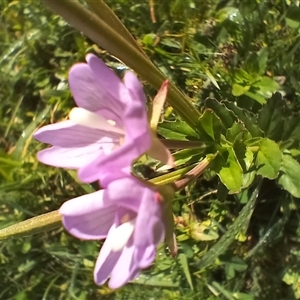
x,y
103,11
101,33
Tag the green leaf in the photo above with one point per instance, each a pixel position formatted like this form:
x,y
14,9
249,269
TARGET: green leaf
x,y
289,178
185,267
262,60
229,170
209,126
242,77
227,294
292,17
238,90
233,264
270,118
201,232
258,98
244,116
171,43
212,78
225,115
268,159
291,277
159,279
249,175
149,38
234,132
187,155
225,241
243,296
267,85
226,13
291,130
176,130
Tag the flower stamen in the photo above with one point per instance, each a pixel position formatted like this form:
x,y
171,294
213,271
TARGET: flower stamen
x,y
81,116
120,236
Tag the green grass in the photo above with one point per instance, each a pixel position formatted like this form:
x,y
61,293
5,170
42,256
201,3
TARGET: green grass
x,y
205,48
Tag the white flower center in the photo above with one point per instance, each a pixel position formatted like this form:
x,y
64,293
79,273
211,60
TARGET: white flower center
x,y
121,235
81,116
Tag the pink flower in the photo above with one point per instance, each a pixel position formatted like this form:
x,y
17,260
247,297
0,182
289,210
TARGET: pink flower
x,y
129,215
107,131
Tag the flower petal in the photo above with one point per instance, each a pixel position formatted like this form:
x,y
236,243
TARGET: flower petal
x,y
66,134
125,269
74,145
160,152
158,104
109,83
89,216
149,229
106,262
137,137
134,86
149,216
144,257
126,192
137,142
121,235
91,86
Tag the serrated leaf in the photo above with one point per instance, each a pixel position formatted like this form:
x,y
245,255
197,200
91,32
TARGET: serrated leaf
x,y
291,131
187,155
226,239
176,130
240,151
225,115
209,126
234,131
268,159
243,115
289,178
271,119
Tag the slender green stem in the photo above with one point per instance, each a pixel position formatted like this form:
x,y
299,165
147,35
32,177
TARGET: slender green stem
x,y
32,226
192,175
